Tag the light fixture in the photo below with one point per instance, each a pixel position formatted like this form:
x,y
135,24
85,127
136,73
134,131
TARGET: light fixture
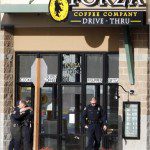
x,y
130,92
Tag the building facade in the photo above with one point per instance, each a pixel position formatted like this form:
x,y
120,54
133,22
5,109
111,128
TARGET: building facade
x,y
106,62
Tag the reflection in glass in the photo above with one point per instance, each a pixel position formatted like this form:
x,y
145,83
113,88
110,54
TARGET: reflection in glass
x,y
90,92
71,108
48,111
112,107
72,142
25,63
113,65
48,117
50,143
52,65
25,94
94,68
94,91
71,71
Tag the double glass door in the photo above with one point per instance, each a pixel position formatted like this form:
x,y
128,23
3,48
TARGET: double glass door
x,y
60,113
60,119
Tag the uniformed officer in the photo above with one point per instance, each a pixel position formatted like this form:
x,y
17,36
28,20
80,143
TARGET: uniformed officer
x,y
15,129
17,117
31,118
92,120
27,113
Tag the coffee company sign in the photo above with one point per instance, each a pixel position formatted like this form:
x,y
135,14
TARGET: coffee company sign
x,y
107,2
98,12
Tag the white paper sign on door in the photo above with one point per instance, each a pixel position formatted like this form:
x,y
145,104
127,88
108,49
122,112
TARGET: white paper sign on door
x,y
71,118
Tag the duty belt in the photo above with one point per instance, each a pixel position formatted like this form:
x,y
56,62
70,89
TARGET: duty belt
x,y
15,125
93,122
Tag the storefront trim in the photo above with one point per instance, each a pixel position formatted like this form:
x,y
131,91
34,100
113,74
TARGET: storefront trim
x,y
23,8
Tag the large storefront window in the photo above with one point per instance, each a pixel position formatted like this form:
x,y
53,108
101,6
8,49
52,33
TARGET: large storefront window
x,y
94,68
72,80
51,61
113,73
25,62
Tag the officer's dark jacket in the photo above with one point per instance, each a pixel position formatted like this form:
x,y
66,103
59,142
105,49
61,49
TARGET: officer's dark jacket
x,y
93,114
16,117
19,118
28,116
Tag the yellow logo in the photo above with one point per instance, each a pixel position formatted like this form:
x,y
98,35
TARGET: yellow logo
x,y
59,9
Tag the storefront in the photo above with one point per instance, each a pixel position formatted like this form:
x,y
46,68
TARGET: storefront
x,y
83,60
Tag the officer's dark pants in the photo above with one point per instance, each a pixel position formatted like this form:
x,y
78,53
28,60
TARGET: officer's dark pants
x,y
26,138
11,144
31,136
16,137
94,136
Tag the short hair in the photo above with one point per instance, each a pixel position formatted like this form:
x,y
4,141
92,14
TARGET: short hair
x,y
23,102
93,98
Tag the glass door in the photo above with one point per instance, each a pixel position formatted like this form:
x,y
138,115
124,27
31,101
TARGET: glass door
x,y
26,93
48,117
71,115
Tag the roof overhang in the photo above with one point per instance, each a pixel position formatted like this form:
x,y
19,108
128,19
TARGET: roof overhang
x,y
24,8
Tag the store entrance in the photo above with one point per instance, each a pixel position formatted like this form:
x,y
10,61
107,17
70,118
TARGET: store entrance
x,y
60,119
73,79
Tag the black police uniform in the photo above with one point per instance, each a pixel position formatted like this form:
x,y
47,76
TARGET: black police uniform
x,y
25,130
93,117
15,129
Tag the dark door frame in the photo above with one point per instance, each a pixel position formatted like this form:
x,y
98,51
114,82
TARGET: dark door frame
x,y
59,82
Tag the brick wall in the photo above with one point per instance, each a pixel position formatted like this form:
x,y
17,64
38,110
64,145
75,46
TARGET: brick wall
x,y
1,88
6,85
139,37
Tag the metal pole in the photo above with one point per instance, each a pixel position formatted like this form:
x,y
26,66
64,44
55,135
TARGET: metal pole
x,y
37,106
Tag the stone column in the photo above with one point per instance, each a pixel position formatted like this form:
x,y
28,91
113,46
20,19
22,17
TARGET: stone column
x,y
6,84
139,37
1,89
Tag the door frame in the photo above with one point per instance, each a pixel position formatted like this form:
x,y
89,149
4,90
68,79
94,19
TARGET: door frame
x,y
59,82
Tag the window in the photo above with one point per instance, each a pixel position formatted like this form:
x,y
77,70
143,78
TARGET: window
x,y
94,68
25,62
113,65
71,68
52,64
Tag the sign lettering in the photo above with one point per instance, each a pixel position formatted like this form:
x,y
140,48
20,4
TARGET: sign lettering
x,y
106,17
89,15
107,3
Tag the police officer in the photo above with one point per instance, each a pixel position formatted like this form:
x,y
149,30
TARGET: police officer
x,y
27,113
31,119
15,129
92,120
17,118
